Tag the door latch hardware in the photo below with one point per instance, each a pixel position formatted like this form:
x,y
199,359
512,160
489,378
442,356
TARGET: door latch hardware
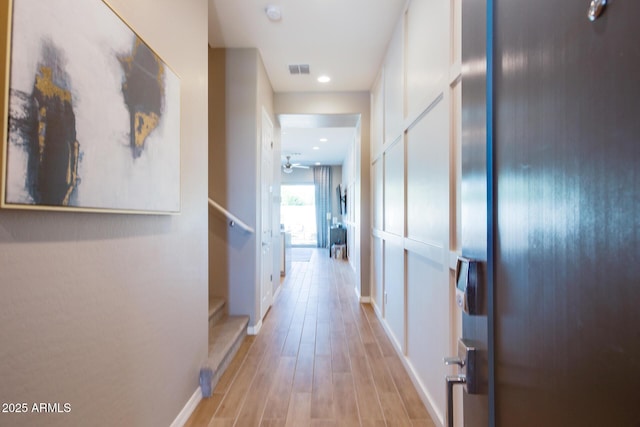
x,y
467,360
451,381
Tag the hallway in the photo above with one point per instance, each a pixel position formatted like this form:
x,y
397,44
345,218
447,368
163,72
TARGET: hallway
x,y
321,359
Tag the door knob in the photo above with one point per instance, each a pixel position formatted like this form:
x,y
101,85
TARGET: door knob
x,y
452,380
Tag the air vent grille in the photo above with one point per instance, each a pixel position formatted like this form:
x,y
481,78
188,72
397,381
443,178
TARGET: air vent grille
x,y
299,69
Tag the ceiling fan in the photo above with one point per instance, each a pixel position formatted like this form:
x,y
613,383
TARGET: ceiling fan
x,y
288,166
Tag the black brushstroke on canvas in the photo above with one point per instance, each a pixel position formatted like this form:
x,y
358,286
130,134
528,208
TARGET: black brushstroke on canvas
x,y
46,123
143,90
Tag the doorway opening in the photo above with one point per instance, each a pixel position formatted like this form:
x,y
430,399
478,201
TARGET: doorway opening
x,y
298,214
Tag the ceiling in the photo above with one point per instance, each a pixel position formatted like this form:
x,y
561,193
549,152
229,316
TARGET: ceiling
x,y
300,143
302,132
344,39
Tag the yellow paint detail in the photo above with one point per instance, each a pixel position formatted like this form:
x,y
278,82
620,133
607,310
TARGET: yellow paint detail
x,y
144,125
46,86
127,60
160,76
42,130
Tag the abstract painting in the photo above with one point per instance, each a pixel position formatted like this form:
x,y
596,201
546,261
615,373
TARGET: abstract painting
x,y
93,115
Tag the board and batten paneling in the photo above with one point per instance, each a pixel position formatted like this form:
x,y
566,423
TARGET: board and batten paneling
x,y
377,277
377,171
394,290
394,86
425,74
428,177
428,300
377,116
427,325
415,192
394,189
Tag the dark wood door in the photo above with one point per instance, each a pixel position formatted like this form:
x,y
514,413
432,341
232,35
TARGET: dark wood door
x,y
475,195
567,214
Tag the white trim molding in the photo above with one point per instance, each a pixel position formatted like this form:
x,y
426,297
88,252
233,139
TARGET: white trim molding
x,y
253,330
364,300
425,396
188,409
276,294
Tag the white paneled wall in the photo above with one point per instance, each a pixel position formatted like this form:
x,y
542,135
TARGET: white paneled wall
x,y
394,189
428,177
394,290
377,180
377,276
415,180
377,116
394,86
426,22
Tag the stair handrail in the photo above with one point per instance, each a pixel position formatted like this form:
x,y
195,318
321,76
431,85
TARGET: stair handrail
x,y
233,220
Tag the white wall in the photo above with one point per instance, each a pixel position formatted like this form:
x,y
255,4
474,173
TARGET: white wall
x,y
109,312
264,102
415,181
242,90
277,200
344,103
218,225
241,180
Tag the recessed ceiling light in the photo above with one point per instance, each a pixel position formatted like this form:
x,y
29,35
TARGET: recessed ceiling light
x,y
324,79
316,148
323,139
273,13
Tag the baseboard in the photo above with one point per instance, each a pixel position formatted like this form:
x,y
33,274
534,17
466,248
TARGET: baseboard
x,y
253,330
360,297
376,309
275,296
426,398
355,289
188,409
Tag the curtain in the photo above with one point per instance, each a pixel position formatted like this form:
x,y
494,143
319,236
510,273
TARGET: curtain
x,y
322,182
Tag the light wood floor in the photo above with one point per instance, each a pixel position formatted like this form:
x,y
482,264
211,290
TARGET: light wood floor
x,y
320,359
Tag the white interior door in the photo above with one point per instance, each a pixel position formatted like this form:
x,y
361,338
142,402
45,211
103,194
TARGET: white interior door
x,y
266,191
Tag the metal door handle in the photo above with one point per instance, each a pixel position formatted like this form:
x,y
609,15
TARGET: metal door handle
x,y
454,361
452,380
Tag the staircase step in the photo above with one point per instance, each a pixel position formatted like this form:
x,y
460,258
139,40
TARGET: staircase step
x,y
224,340
216,311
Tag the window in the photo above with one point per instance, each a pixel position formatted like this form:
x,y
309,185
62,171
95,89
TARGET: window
x,y
298,214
